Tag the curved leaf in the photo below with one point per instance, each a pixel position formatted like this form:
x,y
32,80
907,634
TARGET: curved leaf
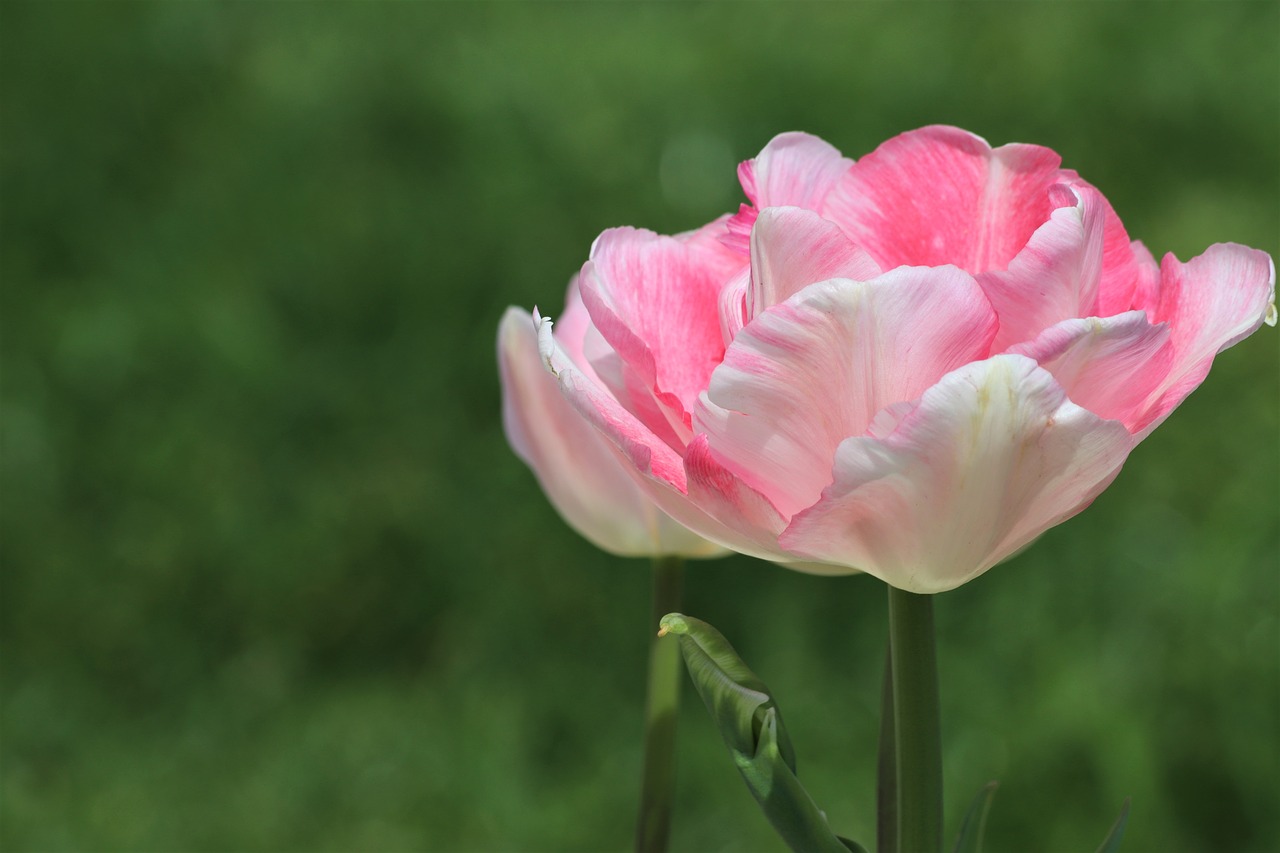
x,y
749,721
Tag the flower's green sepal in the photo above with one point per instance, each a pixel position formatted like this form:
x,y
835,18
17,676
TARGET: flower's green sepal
x,y
1111,843
974,825
751,725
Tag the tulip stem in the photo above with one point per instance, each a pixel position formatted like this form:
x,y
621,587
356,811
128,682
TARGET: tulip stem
x,y
657,787
916,722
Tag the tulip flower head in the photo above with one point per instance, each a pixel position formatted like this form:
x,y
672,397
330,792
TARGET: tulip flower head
x,y
910,365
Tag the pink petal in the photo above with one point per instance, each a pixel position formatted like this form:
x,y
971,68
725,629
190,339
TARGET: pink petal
x,y
659,473
992,456
1055,276
733,305
1108,365
1125,264
792,247
655,302
814,370
794,169
1211,302
941,195
648,454
581,473
755,522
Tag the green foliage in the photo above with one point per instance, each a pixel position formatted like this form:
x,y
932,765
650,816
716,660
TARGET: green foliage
x,y
270,578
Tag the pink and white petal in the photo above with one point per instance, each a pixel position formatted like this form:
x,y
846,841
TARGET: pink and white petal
x,y
1124,263
993,455
655,301
1055,276
941,195
658,472
794,169
1107,365
813,370
755,522
1211,302
645,451
578,469
733,305
792,247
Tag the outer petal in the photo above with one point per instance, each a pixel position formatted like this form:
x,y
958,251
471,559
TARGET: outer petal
x,y
647,453
992,456
707,500
810,372
578,468
794,169
1108,365
1211,302
941,195
655,302
1055,276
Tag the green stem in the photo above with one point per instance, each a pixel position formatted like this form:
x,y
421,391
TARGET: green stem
x,y
887,767
657,787
916,722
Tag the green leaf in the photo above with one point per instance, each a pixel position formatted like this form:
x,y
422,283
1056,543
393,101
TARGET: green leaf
x,y
1111,843
974,826
751,724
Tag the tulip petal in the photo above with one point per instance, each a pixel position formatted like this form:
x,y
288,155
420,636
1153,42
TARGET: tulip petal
x,y
578,469
992,456
655,301
647,453
792,247
724,495
795,169
1211,302
1056,275
1107,365
941,195
814,370
1126,264
659,471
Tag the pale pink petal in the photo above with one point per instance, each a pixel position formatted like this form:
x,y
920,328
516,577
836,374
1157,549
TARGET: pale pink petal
x,y
655,301
578,468
1107,365
659,472
1210,303
992,456
1055,276
792,247
733,305
814,370
794,169
941,195
644,450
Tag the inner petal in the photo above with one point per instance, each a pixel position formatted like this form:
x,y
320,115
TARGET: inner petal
x,y
941,195
814,370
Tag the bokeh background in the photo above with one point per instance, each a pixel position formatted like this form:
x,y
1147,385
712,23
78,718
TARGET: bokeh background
x,y
272,579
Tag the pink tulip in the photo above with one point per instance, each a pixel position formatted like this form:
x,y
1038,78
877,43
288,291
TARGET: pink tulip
x,y
910,366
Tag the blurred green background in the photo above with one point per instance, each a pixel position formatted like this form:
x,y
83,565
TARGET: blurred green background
x,y
272,579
